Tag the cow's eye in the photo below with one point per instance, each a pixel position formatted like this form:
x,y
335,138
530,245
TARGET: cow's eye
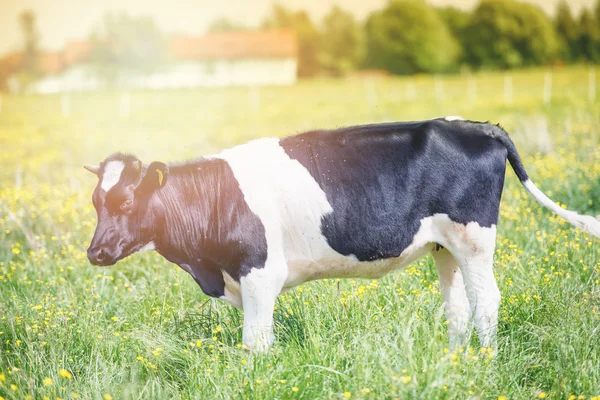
x,y
126,204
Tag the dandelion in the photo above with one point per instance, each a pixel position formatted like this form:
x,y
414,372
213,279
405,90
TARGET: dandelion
x,y
64,373
542,395
244,361
295,389
405,379
502,398
107,396
47,381
347,395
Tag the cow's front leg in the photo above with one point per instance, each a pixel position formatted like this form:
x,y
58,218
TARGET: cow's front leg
x,y
259,292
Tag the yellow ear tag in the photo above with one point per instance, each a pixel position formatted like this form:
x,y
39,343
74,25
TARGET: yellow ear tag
x,y
160,177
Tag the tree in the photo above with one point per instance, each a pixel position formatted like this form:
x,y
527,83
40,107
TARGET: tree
x,y
126,45
589,36
341,44
509,34
225,25
457,22
308,37
408,36
568,32
29,62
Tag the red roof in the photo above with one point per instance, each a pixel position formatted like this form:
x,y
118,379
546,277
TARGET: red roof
x,y
50,62
213,46
235,44
77,51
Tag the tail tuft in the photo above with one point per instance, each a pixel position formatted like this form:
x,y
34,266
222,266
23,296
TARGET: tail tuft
x,y
586,223
589,224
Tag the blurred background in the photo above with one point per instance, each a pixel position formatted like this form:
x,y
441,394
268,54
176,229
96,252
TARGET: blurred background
x,y
67,45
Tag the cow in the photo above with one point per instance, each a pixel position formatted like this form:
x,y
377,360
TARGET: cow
x,y
263,217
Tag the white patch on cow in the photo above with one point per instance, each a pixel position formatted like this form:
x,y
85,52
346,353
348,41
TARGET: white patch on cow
x,y
289,202
112,174
148,247
454,118
586,223
233,294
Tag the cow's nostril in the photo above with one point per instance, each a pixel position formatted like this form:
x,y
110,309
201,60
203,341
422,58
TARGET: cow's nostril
x,y
97,255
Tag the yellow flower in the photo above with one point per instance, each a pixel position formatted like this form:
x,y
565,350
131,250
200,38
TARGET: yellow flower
x,y
64,373
405,379
542,395
347,395
295,389
47,381
244,361
502,398
107,396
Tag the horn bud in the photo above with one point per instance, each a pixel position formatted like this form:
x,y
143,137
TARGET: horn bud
x,y
94,169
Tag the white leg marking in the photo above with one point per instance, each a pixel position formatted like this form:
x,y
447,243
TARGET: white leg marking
x,y
112,174
458,309
260,289
473,248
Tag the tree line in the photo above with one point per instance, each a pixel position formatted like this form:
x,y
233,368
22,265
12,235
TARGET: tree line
x,y
410,36
405,37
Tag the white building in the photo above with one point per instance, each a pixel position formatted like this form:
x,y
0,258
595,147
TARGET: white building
x,y
246,58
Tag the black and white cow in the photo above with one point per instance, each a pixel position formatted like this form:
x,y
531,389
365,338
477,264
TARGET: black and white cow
x,y
263,217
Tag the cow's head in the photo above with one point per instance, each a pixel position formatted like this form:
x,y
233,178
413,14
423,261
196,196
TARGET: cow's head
x,y
126,205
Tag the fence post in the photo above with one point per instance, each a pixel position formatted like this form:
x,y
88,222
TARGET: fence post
x,y
439,88
65,105
254,98
371,91
592,85
472,89
547,88
19,176
125,105
508,89
411,92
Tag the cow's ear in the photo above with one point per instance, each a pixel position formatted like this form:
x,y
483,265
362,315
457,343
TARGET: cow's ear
x,y
155,178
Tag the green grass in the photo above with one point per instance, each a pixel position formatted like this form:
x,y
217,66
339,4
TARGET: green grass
x,y
143,329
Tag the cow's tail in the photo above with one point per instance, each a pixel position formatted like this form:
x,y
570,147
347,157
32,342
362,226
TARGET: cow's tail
x,y
586,223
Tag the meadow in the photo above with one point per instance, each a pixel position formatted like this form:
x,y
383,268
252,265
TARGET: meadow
x,y
143,329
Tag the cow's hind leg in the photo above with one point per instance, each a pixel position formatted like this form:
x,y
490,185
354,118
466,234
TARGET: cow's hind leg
x,y
473,248
458,309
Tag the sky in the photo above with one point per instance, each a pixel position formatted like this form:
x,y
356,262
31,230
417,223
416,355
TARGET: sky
x,y
60,21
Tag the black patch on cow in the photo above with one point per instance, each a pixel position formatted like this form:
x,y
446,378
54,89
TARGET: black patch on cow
x,y
203,224
382,179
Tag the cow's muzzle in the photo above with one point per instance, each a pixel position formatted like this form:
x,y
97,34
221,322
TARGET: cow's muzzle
x,y
100,256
